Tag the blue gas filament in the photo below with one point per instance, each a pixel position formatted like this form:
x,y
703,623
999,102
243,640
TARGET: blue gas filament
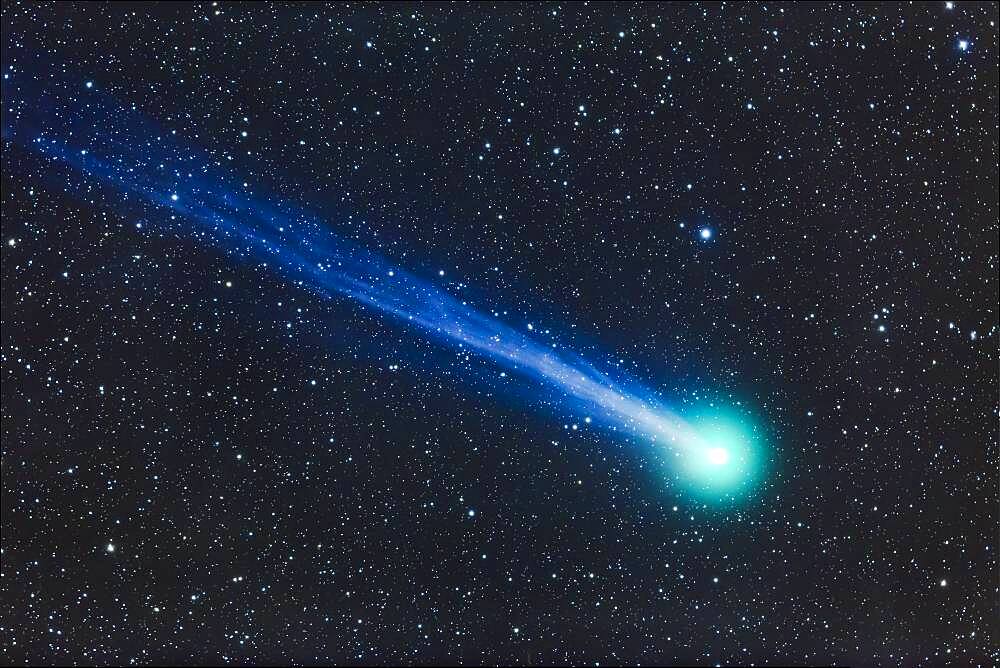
x,y
203,201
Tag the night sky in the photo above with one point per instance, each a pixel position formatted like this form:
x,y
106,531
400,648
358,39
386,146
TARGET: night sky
x,y
389,333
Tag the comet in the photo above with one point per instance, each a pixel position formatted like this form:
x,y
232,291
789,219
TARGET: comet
x,y
190,191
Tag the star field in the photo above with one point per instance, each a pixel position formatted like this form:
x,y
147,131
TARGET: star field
x,y
769,219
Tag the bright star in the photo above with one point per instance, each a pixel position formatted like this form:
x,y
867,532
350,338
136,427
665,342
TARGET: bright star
x,y
963,44
706,233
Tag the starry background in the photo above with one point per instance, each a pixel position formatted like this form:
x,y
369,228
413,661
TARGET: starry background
x,y
203,462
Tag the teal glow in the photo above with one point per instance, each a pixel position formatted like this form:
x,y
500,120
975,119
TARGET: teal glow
x,y
725,461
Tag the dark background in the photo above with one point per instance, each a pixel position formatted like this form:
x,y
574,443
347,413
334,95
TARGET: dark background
x,y
256,517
